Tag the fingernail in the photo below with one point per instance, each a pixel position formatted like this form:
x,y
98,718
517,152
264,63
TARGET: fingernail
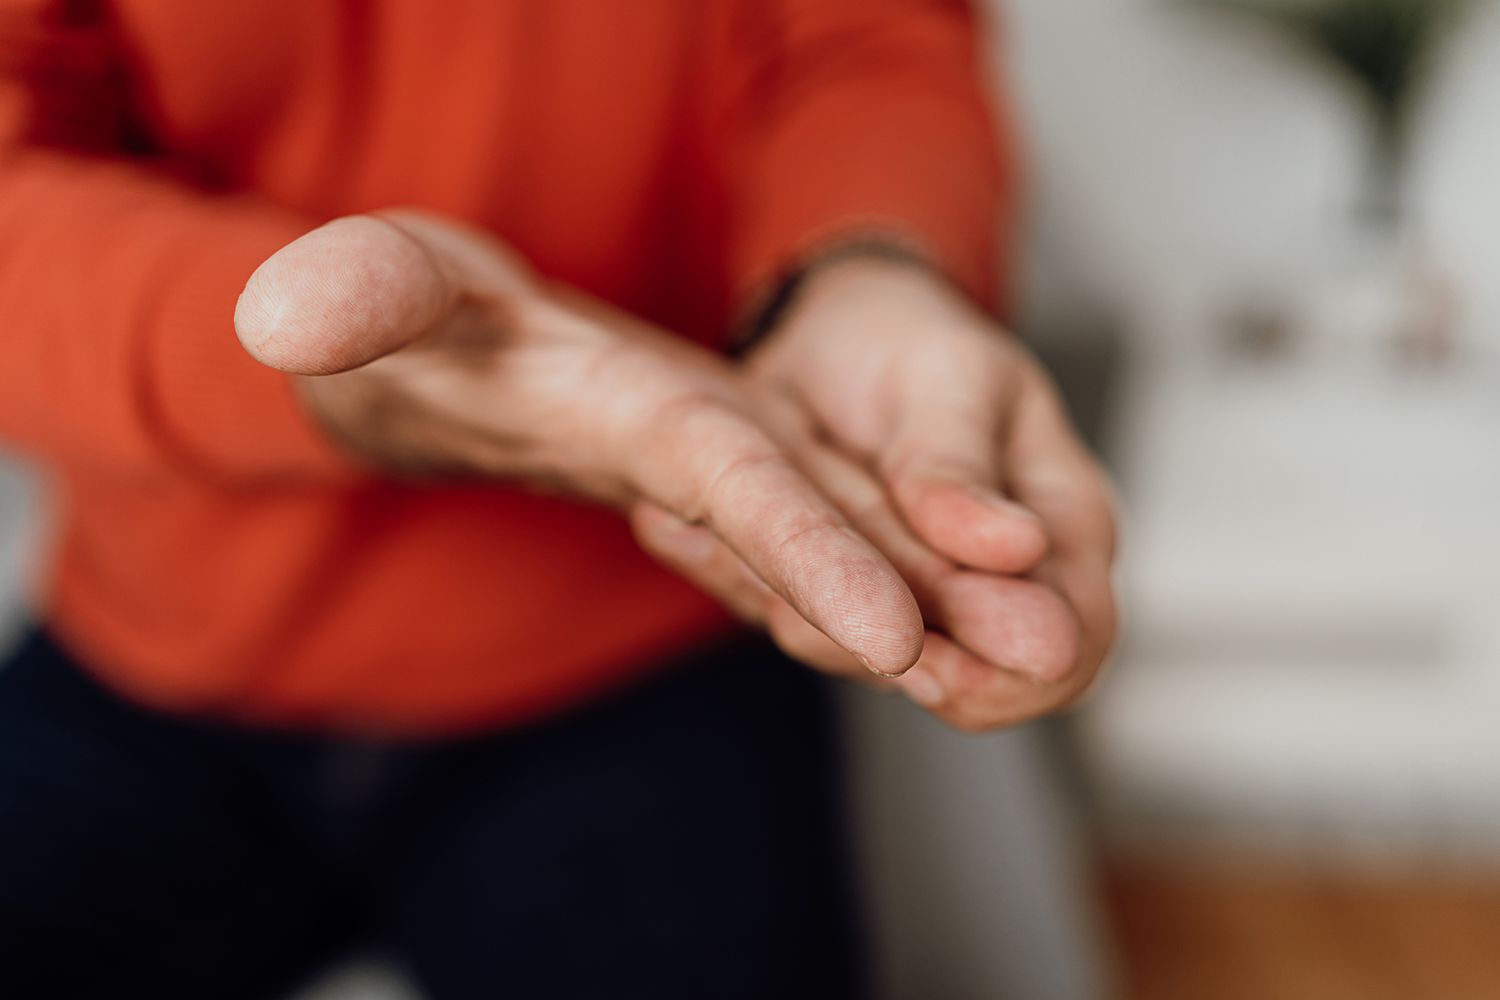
x,y
922,687
864,661
1001,504
686,542
696,546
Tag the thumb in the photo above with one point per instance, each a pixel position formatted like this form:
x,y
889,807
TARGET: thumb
x,y
362,287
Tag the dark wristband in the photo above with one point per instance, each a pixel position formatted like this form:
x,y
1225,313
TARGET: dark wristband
x,y
784,292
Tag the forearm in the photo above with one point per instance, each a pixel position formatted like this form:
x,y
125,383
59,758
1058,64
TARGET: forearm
x,y
118,288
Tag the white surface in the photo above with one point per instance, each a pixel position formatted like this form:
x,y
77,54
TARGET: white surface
x,y
1312,546
1313,651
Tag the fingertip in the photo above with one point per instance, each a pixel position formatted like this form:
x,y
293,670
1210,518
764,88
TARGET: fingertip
x,y
1020,625
888,667
975,526
890,642
339,297
895,644
862,604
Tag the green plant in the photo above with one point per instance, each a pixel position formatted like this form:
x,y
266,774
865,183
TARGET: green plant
x,y
1383,46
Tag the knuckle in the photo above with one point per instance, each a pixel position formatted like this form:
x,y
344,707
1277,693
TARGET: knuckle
x,y
672,409
695,446
785,545
749,460
1107,504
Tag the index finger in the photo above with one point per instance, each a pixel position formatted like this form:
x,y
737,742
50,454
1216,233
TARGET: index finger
x,y
708,464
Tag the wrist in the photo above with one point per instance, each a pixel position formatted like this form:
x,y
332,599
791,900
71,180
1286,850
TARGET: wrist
x,y
863,273
883,265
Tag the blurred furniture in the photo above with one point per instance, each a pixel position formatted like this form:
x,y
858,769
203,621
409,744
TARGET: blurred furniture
x,y
1233,932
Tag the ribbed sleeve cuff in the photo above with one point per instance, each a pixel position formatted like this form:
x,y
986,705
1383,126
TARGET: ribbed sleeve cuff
x,y
922,185
223,411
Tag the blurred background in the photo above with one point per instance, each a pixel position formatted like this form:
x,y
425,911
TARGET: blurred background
x,y
1262,251
1273,227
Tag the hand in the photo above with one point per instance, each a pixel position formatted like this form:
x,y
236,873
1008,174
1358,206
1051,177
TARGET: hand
x,y
966,472
425,346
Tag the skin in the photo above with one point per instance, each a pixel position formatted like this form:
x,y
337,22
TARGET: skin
x,y
887,484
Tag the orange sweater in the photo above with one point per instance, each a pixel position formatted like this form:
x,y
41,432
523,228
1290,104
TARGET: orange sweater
x,y
673,156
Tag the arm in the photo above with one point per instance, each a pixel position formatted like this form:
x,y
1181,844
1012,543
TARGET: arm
x,y
118,284
118,288
427,346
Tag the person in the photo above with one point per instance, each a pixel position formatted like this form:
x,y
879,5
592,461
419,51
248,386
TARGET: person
x,y
568,333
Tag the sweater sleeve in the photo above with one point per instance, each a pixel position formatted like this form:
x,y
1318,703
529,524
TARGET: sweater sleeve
x,y
118,285
857,120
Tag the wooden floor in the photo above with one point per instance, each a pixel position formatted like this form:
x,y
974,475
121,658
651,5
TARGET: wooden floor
x,y
1222,933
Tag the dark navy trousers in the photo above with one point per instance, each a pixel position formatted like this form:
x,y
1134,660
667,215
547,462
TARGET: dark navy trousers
x,y
681,839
